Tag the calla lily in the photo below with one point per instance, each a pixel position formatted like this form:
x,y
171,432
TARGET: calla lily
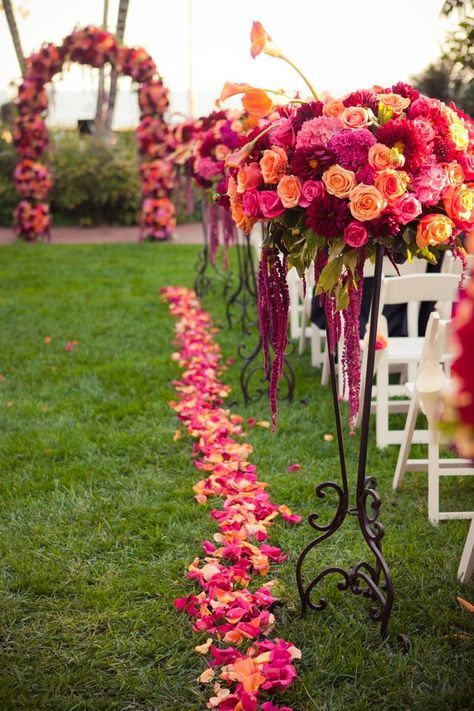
x,y
232,88
257,103
262,42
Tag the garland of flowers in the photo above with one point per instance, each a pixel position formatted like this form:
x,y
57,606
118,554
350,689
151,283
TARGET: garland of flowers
x,y
335,177
95,47
226,609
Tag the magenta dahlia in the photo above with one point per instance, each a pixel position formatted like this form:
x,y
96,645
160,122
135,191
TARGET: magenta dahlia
x,y
310,163
364,97
328,216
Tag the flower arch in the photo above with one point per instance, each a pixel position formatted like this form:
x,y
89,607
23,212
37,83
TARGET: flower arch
x,y
95,47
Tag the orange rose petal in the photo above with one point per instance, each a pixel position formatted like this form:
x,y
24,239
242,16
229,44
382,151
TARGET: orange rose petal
x,y
466,604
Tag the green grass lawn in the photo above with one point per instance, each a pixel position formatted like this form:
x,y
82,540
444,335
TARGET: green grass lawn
x,y
98,522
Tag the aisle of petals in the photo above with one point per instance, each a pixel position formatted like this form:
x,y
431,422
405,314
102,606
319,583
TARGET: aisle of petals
x,y
244,663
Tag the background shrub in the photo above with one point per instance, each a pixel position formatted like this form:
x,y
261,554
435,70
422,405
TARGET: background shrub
x,y
95,182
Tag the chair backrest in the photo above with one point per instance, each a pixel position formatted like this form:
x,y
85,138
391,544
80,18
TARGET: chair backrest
x,y
415,288
451,265
416,266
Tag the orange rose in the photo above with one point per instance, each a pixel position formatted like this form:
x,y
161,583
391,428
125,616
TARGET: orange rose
x,y
289,190
459,202
249,176
355,117
433,229
380,156
454,172
339,181
391,184
397,103
333,108
273,164
242,221
366,202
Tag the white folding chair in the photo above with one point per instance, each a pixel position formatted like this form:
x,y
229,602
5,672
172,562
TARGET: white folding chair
x,y
466,566
417,266
406,352
429,384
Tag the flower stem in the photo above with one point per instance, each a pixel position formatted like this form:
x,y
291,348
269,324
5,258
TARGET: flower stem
x,y
304,78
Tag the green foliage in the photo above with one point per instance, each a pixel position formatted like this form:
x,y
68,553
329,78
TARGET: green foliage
x,y
8,194
95,182
98,522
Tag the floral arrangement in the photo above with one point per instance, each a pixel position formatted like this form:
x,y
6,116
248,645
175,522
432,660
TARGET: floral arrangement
x,y
32,179
335,177
32,220
93,46
244,663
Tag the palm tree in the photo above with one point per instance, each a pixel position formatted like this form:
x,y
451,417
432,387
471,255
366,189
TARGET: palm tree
x,y
119,34
99,114
10,15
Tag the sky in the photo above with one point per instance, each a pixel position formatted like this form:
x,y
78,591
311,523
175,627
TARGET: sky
x,y
340,44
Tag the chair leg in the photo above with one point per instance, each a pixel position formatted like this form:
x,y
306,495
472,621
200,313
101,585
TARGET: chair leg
x,y
404,452
433,482
325,369
381,412
317,356
302,343
466,566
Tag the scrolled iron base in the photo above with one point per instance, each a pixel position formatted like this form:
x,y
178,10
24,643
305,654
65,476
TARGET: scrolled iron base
x,y
369,580
253,381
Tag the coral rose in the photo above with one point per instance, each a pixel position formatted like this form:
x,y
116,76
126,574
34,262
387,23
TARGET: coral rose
x,y
273,164
391,184
311,190
406,208
355,117
366,202
459,203
289,190
397,103
433,229
356,234
249,176
339,181
333,107
454,172
380,156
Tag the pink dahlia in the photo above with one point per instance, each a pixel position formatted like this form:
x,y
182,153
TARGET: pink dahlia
x,y
352,147
328,216
318,130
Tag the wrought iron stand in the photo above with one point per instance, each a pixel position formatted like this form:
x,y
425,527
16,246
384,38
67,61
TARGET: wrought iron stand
x,y
371,580
203,283
243,299
253,382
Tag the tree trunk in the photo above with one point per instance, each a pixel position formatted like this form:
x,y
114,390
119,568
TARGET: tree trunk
x,y
15,35
101,98
121,22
